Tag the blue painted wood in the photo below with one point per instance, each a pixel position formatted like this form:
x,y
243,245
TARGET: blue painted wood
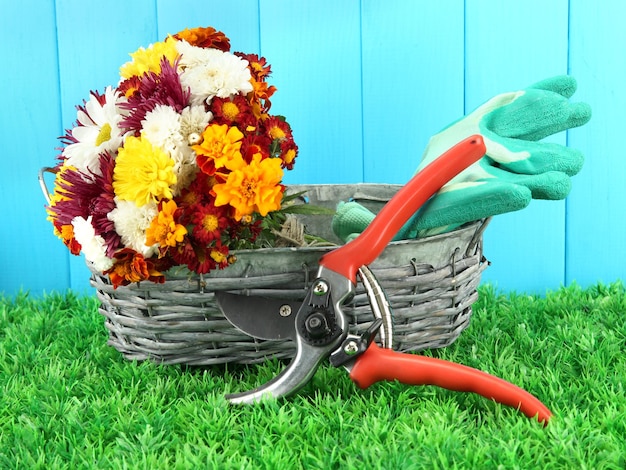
x,y
596,232
30,256
510,45
314,49
413,64
237,19
342,70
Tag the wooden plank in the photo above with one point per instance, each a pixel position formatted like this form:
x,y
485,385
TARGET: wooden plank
x,y
31,257
237,19
511,45
93,43
330,96
596,231
314,49
413,64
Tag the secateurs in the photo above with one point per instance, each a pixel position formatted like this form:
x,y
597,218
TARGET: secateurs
x,y
319,327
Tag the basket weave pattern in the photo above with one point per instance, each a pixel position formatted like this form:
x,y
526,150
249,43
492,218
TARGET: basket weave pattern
x,y
430,285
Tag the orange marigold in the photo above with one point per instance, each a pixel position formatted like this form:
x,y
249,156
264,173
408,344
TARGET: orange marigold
x,y
253,188
205,37
220,148
66,233
260,98
164,230
131,266
259,68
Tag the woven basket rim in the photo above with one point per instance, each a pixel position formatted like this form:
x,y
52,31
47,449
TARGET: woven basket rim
x,y
477,226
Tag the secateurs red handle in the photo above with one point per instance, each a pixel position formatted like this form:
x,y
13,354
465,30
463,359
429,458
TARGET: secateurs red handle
x,y
364,249
320,326
377,364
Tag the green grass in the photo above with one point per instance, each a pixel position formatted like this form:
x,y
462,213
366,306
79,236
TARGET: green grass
x,y
70,401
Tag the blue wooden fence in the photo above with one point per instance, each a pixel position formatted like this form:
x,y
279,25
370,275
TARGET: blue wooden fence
x,y
364,84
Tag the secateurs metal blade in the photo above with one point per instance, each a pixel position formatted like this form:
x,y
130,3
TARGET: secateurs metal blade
x,y
319,327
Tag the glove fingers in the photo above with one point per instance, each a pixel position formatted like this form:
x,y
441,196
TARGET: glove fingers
x,y
552,185
456,207
579,114
564,85
535,115
535,112
543,157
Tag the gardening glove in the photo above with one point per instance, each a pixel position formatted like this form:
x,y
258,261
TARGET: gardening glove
x,y
516,168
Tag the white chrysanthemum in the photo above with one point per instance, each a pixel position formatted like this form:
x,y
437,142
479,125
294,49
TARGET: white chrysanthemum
x,y
190,56
185,175
97,131
131,223
211,72
193,120
92,245
161,127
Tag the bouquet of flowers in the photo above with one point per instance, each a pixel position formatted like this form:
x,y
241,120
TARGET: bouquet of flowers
x,y
180,164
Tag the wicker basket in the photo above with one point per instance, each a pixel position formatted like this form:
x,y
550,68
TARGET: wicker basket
x,y
430,284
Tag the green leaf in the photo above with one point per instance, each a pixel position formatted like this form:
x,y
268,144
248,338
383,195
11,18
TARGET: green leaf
x,y
307,209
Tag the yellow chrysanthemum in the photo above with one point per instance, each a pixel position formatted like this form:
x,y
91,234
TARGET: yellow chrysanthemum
x,y
220,148
164,230
252,188
149,60
143,172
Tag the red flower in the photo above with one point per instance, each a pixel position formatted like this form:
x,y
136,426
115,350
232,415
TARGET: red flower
x,y
219,254
130,86
210,222
235,111
203,263
184,254
277,129
163,264
288,153
253,144
197,193
188,198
